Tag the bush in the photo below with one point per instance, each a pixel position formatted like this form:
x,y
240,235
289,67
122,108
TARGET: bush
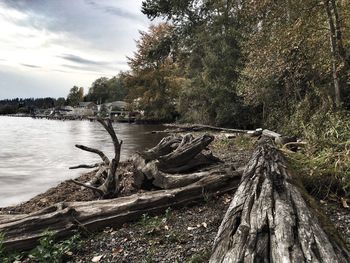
x,y
326,159
6,257
49,250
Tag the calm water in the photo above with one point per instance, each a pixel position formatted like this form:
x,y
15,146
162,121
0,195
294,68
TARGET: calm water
x,y
35,153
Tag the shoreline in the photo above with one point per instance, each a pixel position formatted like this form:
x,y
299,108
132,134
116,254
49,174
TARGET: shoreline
x,y
67,191
89,118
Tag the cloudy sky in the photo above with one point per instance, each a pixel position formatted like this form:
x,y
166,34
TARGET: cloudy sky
x,y
48,46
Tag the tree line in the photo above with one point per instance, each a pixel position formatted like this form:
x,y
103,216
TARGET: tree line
x,y
17,105
243,63
238,63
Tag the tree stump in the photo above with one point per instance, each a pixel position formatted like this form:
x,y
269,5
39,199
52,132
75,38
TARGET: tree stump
x,y
269,220
176,161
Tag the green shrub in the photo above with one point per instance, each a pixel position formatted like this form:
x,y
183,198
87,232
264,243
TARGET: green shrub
x,y
49,250
6,257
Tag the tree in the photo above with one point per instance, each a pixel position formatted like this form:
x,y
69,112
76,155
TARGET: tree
x,y
60,102
270,57
107,90
74,96
208,40
117,87
154,78
98,91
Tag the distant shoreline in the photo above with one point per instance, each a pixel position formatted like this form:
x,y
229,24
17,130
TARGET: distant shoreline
x,y
85,118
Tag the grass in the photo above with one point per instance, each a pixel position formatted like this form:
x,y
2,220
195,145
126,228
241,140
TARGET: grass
x,y
241,142
324,165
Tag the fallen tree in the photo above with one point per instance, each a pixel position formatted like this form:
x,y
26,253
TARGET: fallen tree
x,y
23,231
175,161
106,182
286,142
269,219
183,128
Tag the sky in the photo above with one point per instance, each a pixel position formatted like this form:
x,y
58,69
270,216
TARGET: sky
x,y
48,46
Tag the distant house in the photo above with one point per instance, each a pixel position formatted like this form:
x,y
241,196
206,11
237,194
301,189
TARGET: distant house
x,y
85,109
88,105
117,108
66,110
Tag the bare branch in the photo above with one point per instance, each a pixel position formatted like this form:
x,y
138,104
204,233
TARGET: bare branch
x,y
109,128
89,187
89,149
85,166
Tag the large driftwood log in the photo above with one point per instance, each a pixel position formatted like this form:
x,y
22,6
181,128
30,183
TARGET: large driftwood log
x,y
23,231
173,161
182,128
270,221
164,147
185,152
106,180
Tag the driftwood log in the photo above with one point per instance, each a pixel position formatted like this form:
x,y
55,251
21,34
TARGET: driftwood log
x,y
270,220
175,161
183,128
23,231
106,182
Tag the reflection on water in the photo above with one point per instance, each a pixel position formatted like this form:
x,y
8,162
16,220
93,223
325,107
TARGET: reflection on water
x,y
35,154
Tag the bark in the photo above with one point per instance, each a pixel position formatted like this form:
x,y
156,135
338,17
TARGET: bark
x,y
164,147
150,173
92,150
173,162
269,220
285,142
339,36
23,231
178,128
85,166
333,47
185,152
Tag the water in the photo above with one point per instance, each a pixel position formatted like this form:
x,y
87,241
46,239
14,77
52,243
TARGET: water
x,y
35,153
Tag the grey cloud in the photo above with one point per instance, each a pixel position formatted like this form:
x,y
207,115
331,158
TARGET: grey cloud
x,y
81,60
30,66
96,68
116,11
86,20
77,67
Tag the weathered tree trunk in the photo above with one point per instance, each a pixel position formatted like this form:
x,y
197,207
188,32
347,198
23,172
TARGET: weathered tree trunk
x,y
179,128
164,147
23,231
339,35
269,220
334,52
106,175
173,161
